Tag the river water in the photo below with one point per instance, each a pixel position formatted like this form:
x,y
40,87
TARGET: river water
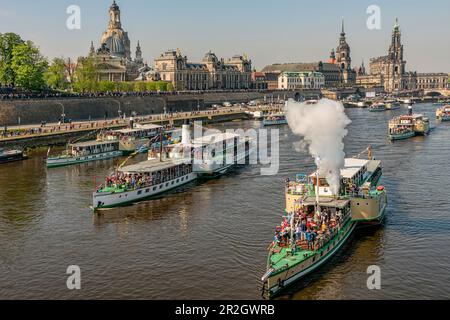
x,y
209,239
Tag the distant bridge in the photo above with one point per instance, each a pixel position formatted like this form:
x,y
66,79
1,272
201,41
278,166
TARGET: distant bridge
x,y
431,92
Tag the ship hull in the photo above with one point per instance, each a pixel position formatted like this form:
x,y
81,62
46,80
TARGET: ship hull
x,y
12,158
105,200
377,109
403,136
66,161
274,122
277,283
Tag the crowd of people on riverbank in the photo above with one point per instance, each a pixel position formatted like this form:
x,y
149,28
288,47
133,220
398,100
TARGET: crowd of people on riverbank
x,y
11,93
45,128
310,231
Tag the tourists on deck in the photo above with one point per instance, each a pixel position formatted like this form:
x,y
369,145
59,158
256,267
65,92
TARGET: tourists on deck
x,y
298,232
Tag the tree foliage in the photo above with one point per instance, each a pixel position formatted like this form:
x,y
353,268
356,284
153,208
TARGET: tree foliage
x,y
28,66
86,75
8,42
56,76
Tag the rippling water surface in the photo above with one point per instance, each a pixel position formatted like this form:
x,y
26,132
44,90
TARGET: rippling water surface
x,y
209,239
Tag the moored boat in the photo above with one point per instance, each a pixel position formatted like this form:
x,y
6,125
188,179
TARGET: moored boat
x,y
377,107
257,115
11,155
408,101
86,152
275,119
443,113
361,104
318,223
392,105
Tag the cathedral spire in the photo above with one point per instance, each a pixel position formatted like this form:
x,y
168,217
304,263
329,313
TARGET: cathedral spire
x,y
92,49
342,29
139,60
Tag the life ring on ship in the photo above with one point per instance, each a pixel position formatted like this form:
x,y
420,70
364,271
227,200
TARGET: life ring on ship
x,y
380,188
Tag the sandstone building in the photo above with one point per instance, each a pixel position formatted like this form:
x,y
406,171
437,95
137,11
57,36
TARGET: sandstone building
x,y
209,74
113,57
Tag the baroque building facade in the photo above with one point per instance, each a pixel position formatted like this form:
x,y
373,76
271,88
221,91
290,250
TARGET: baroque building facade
x,y
389,72
209,74
113,58
301,80
337,71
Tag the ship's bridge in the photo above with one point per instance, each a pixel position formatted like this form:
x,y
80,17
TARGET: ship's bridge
x,y
356,172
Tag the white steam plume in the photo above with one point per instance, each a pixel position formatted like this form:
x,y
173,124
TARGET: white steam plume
x,y
322,127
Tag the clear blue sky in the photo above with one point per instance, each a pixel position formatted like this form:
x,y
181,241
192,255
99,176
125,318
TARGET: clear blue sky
x,y
268,31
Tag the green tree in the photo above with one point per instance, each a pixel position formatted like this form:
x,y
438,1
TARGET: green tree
x,y
28,66
106,86
124,86
161,86
86,75
8,42
140,86
170,87
56,76
150,86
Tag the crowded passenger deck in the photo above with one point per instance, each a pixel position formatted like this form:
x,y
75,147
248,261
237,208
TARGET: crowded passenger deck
x,y
145,174
142,180
308,228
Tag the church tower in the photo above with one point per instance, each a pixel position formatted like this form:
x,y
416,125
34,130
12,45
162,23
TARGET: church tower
x,y
397,66
115,38
343,51
343,58
332,57
139,60
362,69
396,51
114,17
92,49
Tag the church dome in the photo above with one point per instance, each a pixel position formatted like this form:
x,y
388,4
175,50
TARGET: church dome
x,y
115,45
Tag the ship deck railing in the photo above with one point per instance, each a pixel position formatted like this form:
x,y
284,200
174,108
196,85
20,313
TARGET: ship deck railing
x,y
126,187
